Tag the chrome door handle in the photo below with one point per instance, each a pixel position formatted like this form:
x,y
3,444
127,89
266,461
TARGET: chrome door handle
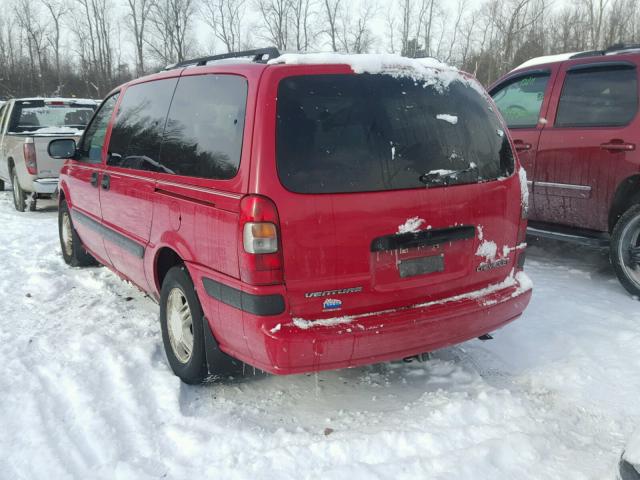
x,y
521,146
618,146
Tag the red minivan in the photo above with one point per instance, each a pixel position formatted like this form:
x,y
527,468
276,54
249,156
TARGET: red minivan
x,y
304,213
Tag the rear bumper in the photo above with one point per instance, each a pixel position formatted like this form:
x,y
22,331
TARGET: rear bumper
x,y
45,185
281,344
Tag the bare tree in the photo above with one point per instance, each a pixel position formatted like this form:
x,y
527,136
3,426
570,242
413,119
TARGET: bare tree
x,y
461,8
619,22
30,22
429,15
596,14
95,34
275,16
354,33
172,23
331,12
302,14
138,16
57,9
225,17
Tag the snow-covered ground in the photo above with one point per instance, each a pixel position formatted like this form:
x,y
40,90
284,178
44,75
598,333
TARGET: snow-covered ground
x,y
85,391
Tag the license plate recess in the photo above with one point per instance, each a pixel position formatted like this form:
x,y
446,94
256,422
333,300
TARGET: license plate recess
x,y
421,266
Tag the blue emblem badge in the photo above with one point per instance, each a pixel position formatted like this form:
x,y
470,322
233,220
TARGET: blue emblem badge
x,y
332,304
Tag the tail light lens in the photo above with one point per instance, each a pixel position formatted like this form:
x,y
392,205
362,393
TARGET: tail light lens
x,y
29,152
260,237
259,249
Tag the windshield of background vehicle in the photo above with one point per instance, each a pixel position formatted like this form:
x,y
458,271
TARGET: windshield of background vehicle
x,y
355,133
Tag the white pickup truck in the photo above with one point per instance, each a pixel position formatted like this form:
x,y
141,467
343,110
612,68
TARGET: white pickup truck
x,y
27,125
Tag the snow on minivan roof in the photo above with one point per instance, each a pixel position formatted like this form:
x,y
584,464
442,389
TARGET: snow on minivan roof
x,y
429,70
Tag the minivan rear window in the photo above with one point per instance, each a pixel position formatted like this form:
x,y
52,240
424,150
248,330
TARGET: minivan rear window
x,y
355,133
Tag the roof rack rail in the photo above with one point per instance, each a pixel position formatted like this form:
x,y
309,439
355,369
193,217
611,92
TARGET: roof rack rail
x,y
617,47
260,55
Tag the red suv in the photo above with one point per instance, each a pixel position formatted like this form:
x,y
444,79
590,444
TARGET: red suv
x,y
575,125
301,214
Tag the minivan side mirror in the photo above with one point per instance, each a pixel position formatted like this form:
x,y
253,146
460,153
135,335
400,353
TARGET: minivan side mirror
x,y
62,148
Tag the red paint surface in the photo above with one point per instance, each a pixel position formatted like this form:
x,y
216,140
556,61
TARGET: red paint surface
x,y
325,242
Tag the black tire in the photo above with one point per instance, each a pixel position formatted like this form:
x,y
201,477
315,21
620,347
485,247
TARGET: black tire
x,y
1,185
32,203
191,368
625,237
74,253
19,197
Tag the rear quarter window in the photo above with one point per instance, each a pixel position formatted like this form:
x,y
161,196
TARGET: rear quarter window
x,y
205,127
356,133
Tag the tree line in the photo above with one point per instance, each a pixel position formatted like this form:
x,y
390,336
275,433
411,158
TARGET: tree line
x,y
86,47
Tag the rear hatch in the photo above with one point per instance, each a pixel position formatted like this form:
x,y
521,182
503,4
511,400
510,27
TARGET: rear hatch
x,y
397,191
46,119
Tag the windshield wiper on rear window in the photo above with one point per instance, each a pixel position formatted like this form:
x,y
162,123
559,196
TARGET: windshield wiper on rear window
x,y
438,178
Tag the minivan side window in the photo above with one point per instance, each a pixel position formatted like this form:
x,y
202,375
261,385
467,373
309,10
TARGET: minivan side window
x,y
521,99
598,97
90,148
139,124
205,126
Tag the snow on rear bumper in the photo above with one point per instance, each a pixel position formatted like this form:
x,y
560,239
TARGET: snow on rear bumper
x,y
306,345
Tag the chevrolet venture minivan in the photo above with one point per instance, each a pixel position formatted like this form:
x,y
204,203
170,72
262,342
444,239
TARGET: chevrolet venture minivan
x,y
302,212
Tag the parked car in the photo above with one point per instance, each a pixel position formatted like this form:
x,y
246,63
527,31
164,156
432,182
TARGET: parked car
x,y
575,126
26,127
298,216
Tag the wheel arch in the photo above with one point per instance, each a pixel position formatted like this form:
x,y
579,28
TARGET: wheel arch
x,y
165,258
63,193
627,194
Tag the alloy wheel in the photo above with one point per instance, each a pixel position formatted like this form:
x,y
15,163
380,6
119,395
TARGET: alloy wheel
x,y
67,234
180,325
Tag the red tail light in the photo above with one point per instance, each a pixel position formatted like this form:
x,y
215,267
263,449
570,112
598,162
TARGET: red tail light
x,y
29,152
259,249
